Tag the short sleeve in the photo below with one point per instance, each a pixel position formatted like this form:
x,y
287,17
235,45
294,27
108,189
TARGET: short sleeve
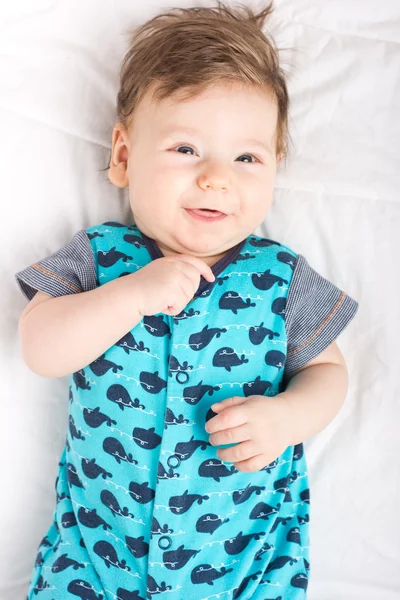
x,y
316,313
69,270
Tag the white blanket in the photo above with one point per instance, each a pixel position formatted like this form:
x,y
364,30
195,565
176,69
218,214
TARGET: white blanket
x,y
336,202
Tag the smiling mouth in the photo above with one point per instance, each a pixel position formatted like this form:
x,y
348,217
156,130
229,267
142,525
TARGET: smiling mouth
x,y
205,214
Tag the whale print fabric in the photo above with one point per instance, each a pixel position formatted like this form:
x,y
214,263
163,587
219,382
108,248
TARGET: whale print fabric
x,y
144,507
316,310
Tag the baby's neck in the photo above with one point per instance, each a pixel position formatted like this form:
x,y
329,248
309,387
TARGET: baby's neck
x,y
209,260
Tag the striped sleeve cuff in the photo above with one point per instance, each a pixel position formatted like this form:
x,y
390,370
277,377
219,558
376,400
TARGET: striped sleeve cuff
x,y
316,314
69,270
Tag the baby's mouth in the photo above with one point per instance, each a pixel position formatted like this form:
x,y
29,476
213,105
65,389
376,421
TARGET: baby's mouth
x,y
205,215
207,212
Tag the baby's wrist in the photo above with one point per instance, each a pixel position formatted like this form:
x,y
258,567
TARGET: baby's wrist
x,y
286,400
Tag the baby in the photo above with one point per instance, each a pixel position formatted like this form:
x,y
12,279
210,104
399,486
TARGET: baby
x,y
200,355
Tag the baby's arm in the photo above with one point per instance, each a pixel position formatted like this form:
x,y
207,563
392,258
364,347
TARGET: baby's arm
x,y
315,393
61,335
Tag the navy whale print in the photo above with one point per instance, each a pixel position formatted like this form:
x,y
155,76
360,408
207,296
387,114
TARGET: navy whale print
x,y
144,507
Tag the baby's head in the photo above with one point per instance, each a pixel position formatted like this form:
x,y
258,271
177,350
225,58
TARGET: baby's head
x,y
202,117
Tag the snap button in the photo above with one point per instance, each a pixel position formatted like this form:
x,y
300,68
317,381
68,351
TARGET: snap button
x,y
164,537
173,458
182,377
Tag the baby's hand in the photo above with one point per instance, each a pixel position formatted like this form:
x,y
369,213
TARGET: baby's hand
x,y
168,284
261,423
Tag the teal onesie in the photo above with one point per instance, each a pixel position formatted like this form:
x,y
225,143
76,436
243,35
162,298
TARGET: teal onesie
x,y
144,507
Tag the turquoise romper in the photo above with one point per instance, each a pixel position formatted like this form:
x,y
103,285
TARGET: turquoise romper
x,y
144,507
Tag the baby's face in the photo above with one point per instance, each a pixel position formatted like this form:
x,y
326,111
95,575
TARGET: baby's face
x,y
214,151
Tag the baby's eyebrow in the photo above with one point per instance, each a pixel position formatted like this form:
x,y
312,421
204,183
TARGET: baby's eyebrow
x,y
179,129
258,143
192,131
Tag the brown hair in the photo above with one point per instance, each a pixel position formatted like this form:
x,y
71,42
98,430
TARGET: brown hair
x,y
190,49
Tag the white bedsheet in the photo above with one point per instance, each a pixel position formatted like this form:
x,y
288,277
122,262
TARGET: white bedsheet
x,y
336,202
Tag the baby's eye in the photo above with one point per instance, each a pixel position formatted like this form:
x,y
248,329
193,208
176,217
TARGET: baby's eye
x,y
183,147
246,155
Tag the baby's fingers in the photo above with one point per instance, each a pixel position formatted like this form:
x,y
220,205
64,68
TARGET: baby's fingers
x,y
200,265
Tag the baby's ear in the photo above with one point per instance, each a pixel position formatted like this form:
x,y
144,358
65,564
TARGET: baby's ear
x,y
117,173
